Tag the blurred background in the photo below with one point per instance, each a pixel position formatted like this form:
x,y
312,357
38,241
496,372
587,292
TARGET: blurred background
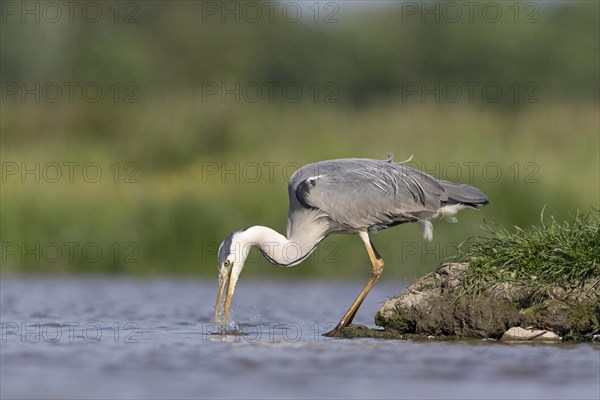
x,y
136,135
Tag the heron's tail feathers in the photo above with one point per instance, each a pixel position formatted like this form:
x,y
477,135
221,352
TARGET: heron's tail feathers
x,y
426,229
459,197
465,195
447,212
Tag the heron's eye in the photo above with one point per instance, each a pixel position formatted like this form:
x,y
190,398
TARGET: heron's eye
x,y
226,263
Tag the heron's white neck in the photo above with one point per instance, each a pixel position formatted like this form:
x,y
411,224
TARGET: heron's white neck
x,y
281,251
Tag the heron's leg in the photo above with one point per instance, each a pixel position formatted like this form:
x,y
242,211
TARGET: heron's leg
x,y
376,270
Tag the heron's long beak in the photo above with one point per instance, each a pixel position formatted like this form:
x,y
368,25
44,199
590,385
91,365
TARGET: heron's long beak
x,y
224,277
230,288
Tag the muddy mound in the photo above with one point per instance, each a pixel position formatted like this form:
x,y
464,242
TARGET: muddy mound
x,y
437,305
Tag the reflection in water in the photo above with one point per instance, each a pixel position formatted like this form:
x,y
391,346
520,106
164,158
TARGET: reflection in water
x,y
73,338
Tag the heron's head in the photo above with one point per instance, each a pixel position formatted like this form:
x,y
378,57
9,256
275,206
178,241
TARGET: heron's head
x,y
232,255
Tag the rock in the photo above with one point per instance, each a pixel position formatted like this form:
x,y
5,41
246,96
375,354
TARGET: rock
x,y
535,335
435,306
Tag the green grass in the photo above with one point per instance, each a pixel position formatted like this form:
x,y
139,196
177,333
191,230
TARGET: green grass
x,y
556,253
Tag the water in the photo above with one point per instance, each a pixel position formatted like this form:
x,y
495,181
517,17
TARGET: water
x,y
151,339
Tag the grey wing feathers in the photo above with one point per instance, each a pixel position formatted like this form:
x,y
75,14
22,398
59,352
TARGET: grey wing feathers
x,y
366,194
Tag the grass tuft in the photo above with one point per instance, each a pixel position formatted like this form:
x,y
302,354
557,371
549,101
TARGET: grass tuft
x,y
554,254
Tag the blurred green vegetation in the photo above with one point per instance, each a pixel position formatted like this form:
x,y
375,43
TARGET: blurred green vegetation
x,y
192,177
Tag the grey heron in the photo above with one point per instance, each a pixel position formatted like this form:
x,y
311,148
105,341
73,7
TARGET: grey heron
x,y
350,196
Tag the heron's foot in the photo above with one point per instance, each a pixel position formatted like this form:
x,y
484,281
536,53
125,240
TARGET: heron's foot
x,y
337,331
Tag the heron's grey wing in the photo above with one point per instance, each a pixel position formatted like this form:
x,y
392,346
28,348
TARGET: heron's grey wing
x,y
366,194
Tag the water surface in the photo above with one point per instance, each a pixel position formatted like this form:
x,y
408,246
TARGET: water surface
x,y
125,338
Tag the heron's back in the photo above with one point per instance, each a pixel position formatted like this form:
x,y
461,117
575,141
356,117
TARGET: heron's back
x,y
365,194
